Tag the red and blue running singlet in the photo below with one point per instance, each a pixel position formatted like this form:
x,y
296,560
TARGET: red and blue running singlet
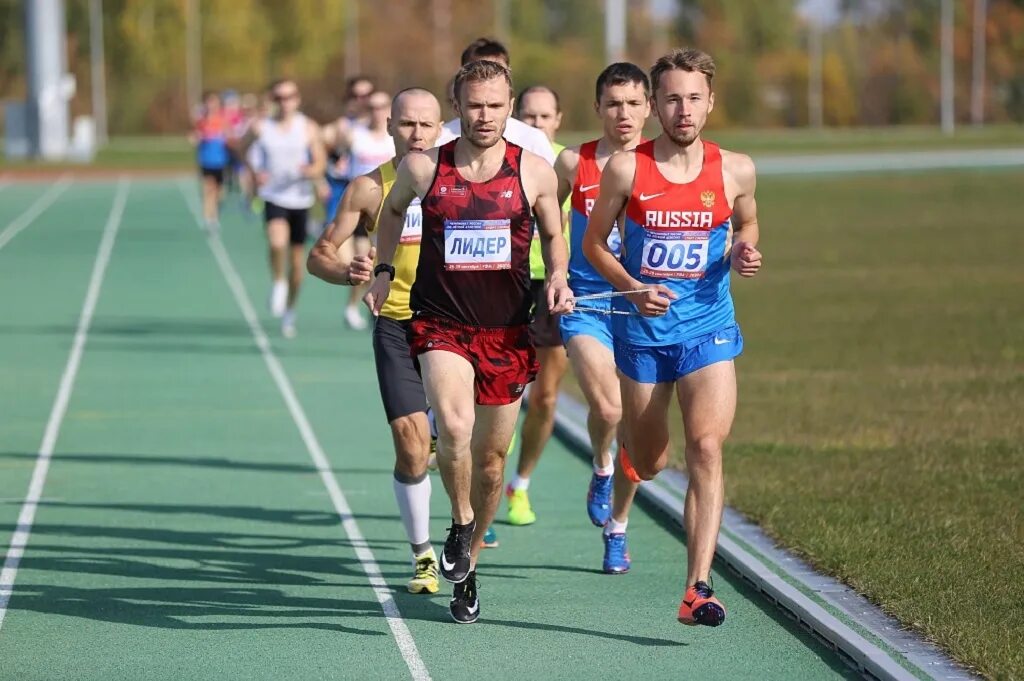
x,y
474,265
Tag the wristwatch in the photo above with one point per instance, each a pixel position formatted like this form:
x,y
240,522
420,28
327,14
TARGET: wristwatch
x,y
384,267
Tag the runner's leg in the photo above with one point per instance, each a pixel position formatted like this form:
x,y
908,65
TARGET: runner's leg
x,y
491,437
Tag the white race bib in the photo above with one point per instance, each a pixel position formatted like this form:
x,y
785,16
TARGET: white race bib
x,y
412,229
477,245
675,255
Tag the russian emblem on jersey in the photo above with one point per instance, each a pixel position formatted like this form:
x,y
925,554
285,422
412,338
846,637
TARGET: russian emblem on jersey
x,y
707,198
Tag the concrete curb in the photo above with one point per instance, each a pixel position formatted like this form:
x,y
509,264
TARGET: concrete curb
x,y
775,573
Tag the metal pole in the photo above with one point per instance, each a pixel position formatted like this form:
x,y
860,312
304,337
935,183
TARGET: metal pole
x,y
978,66
502,20
815,110
442,25
947,111
352,65
97,70
193,54
49,85
614,30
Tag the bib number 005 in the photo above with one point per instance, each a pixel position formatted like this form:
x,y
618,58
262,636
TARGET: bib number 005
x,y
675,255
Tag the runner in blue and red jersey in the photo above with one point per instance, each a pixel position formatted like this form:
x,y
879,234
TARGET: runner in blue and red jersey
x,y
687,215
471,300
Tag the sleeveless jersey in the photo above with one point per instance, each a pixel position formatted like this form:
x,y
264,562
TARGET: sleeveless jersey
x,y
283,152
474,265
408,253
537,270
212,149
678,235
583,278
369,151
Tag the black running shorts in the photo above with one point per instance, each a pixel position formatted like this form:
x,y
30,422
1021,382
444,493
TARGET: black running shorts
x,y
295,217
401,388
544,327
217,174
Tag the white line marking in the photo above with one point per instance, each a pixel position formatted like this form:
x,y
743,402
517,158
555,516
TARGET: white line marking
x,y
399,630
35,210
23,530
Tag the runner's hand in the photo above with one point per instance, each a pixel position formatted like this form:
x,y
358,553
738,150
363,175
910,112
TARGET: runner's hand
x,y
560,300
746,259
378,293
654,301
262,177
360,270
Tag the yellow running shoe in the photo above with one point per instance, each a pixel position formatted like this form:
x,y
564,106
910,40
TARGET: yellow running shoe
x,y
425,578
519,511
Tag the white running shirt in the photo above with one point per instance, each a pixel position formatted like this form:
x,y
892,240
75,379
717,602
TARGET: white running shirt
x,y
368,151
282,153
516,132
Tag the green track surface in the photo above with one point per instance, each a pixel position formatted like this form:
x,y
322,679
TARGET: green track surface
x,y
184,532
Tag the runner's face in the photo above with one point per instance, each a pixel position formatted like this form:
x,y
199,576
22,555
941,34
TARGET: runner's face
x,y
380,107
483,107
539,109
623,109
286,97
683,100
415,124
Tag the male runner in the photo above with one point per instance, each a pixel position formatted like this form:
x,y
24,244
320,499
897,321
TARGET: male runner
x,y
290,158
471,300
622,102
366,146
210,138
517,132
539,107
687,213
415,124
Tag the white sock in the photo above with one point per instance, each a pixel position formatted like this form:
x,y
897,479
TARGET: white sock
x,y
613,526
606,470
414,507
520,483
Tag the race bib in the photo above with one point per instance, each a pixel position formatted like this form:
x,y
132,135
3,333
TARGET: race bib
x,y
477,245
675,255
412,229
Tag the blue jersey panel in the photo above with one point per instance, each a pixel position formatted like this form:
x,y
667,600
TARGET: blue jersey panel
x,y
212,153
583,278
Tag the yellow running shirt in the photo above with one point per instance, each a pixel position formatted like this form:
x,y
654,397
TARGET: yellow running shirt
x,y
536,259
407,255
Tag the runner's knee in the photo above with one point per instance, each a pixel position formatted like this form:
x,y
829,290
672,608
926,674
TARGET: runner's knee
x,y
704,454
412,446
542,402
490,469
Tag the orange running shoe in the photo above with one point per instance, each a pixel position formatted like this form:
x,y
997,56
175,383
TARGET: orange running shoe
x,y
627,465
700,606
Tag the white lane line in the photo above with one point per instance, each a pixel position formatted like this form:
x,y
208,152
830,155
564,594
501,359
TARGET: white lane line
x,y
23,530
403,637
35,210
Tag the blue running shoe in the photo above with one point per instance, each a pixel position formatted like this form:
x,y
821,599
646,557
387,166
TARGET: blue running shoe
x,y
490,539
599,499
616,554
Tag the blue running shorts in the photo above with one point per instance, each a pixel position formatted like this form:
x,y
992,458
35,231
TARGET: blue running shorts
x,y
592,324
669,363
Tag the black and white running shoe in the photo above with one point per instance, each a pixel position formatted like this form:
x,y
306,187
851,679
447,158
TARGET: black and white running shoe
x,y
465,603
455,554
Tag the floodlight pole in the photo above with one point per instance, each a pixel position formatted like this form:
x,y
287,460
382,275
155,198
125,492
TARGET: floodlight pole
x,y
614,30
502,20
352,65
49,85
978,65
946,107
193,54
97,69
815,111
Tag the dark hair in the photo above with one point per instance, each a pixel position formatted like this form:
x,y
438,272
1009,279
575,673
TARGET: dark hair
x,y
484,48
350,83
621,73
481,70
278,82
688,59
538,88
207,94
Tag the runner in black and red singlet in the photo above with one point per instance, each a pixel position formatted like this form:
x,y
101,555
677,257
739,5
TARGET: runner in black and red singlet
x,y
471,300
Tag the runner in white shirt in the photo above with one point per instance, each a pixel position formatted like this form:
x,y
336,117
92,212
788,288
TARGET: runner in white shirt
x,y
516,131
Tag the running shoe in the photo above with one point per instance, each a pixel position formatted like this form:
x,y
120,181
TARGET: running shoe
x,y
278,302
424,579
455,554
699,606
626,464
599,499
354,319
490,539
616,554
519,511
288,324
465,605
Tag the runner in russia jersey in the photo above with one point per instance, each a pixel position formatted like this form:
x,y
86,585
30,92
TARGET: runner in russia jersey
x,y
474,264
583,278
678,235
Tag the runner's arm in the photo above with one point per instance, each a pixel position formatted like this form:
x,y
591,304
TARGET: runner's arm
x,y
746,259
549,228
565,169
314,170
361,201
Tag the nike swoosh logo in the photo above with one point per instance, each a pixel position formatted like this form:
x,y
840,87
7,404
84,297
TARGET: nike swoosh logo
x,y
445,564
689,604
645,197
588,187
474,609
722,341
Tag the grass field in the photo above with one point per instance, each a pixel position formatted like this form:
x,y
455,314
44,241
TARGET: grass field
x,y
880,430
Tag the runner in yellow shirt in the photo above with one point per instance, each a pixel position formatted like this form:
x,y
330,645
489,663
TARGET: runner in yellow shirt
x,y
415,124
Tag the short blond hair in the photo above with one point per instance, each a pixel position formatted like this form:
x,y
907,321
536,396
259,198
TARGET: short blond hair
x,y
688,59
482,69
